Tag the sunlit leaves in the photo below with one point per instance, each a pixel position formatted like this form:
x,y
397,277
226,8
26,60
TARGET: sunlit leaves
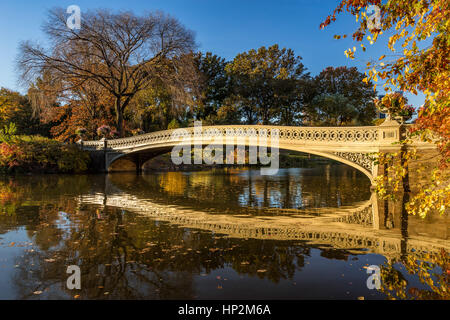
x,y
390,182
431,270
414,67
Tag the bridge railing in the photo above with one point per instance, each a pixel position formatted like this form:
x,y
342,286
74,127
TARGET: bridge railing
x,y
369,135
384,135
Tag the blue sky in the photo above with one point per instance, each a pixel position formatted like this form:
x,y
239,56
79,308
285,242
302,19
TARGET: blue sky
x,y
225,27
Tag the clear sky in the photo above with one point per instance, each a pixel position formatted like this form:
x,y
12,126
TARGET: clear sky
x,y
224,27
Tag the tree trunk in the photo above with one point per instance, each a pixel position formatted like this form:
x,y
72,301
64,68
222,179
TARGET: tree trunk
x,y
119,118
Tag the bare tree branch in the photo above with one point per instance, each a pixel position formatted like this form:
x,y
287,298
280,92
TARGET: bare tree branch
x,y
122,53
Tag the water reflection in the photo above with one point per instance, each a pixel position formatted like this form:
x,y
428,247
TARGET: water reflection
x,y
243,190
222,234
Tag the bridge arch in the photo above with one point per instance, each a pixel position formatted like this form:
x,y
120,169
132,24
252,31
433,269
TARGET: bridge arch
x,y
140,156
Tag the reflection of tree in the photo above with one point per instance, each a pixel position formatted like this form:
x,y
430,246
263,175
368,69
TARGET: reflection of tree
x,y
109,259
126,255
35,201
248,191
173,183
432,271
334,254
134,257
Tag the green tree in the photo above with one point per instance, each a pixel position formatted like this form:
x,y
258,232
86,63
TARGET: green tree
x,y
156,107
349,83
332,110
265,82
214,85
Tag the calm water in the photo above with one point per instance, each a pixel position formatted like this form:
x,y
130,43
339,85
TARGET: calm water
x,y
219,234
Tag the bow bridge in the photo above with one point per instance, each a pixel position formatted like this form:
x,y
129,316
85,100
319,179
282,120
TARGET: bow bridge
x,y
354,146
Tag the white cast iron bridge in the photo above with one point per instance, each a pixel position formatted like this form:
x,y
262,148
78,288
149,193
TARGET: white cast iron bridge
x,y
354,146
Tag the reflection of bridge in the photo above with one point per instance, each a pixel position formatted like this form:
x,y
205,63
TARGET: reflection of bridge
x,y
352,228
350,145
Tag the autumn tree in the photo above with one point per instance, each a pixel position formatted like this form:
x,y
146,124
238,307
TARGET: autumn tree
x,y
16,108
420,61
122,53
89,108
156,107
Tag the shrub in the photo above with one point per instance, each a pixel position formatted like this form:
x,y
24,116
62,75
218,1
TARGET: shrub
x,y
38,154
8,132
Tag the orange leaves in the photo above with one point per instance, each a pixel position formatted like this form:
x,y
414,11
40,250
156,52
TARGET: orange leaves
x,y
438,121
350,53
337,37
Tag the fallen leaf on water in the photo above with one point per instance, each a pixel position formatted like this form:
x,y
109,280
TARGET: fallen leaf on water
x,y
12,244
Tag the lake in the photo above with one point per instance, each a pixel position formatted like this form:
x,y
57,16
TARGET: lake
x,y
305,233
